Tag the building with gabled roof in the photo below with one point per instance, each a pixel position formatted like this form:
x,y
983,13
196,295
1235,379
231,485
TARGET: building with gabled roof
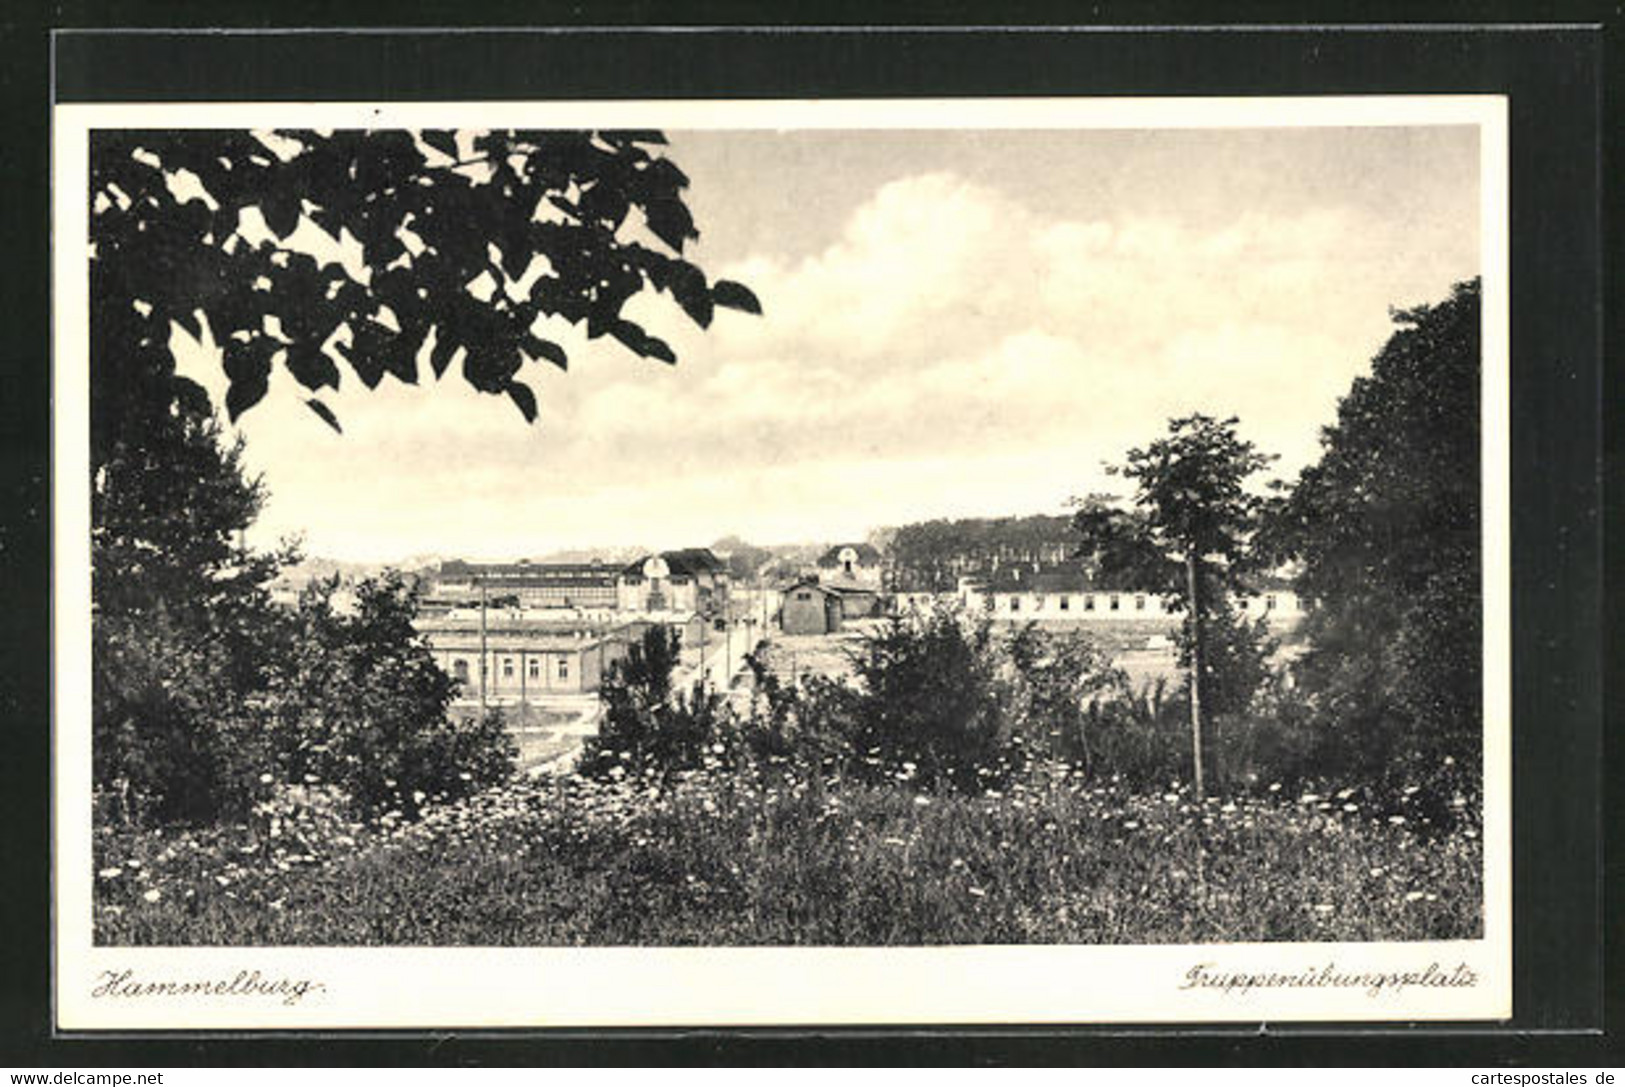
x,y
685,579
856,563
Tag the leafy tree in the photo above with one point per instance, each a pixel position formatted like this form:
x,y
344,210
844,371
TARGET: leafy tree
x,y
1386,526
646,725
930,703
470,243
744,560
357,700
1061,676
1190,535
180,611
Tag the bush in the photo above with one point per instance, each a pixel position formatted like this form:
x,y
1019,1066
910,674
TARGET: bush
x,y
648,729
938,701
1059,677
931,703
358,701
172,739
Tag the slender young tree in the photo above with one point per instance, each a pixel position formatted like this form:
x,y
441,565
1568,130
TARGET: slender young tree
x,y
1188,535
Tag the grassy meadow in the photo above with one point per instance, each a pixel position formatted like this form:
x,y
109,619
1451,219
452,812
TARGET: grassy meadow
x,y
769,856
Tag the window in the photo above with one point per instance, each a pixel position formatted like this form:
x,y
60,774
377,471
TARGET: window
x,y
1089,602
1066,603
535,668
460,670
804,596
507,667
1015,603
564,667
1114,602
1038,603
1269,602
1139,601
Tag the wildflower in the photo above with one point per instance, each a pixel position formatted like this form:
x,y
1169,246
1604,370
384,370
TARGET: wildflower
x,y
1375,872
1344,794
1131,825
153,895
110,873
1323,907
266,779
1351,807
1308,798
1397,820
1275,787
922,801
893,841
978,892
1412,896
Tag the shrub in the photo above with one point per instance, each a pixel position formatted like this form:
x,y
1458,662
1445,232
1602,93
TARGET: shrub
x,y
931,702
648,728
1058,678
358,701
173,739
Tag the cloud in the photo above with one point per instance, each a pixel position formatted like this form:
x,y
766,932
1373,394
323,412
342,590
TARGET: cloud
x,y
949,350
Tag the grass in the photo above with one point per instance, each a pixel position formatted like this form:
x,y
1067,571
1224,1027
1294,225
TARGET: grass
x,y
748,858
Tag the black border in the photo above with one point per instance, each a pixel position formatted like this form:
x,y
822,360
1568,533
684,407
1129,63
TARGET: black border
x,y
1553,76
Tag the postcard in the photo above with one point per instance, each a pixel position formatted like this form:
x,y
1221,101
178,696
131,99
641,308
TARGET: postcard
x,y
739,563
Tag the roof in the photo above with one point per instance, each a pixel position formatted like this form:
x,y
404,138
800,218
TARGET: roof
x,y
868,555
849,588
836,588
529,573
683,562
1067,578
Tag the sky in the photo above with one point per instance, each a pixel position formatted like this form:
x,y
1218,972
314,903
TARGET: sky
x,y
956,323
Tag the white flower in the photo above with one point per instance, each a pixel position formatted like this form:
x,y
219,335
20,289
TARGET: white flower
x,y
111,873
153,895
266,779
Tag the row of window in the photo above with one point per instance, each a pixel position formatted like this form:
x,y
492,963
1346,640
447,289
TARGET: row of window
x,y
459,668
1114,602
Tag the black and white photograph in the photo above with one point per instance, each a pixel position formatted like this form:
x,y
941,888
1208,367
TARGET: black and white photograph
x,y
545,564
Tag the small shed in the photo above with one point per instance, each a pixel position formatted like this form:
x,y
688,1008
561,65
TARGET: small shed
x,y
810,608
